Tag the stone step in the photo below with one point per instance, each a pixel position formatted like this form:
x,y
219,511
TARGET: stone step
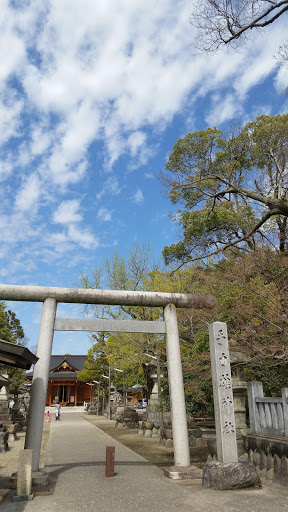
x,y
4,417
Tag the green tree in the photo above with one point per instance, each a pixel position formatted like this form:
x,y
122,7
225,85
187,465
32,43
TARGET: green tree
x,y
96,363
233,189
12,331
229,23
124,350
252,298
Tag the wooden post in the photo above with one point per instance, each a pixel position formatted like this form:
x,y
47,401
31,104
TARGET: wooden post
x,y
50,393
110,458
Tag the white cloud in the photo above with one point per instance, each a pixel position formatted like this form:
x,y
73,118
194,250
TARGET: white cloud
x,y
138,197
111,77
104,214
29,194
223,109
135,141
111,187
82,237
67,212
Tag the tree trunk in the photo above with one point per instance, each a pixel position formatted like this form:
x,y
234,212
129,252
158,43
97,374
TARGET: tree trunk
x,y
282,225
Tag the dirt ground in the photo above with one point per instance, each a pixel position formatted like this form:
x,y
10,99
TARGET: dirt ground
x,y
9,460
150,449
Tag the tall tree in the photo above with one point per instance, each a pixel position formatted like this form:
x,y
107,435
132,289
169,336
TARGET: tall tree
x,y
12,331
124,350
233,188
229,22
252,298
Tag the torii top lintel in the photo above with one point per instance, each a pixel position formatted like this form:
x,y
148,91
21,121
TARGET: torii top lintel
x,y
109,297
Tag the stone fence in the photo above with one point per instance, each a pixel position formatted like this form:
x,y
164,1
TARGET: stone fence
x,y
268,415
269,455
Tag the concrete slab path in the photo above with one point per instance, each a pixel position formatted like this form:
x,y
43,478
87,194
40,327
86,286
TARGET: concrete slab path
x,y
76,462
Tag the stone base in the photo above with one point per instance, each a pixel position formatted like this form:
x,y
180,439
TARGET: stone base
x,y
39,478
23,498
230,475
183,473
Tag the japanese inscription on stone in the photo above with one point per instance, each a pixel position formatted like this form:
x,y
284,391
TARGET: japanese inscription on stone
x,y
222,392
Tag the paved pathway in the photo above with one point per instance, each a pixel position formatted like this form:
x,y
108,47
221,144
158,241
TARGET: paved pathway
x,y
76,463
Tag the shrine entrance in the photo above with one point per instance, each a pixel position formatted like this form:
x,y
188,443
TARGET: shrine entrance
x,y
52,296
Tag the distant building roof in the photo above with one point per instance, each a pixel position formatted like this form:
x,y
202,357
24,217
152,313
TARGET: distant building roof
x,y
64,366
76,362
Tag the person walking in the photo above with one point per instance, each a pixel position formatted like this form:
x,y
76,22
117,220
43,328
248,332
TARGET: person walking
x,y
57,412
47,416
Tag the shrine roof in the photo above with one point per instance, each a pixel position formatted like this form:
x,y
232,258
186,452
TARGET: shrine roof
x,y
75,362
62,375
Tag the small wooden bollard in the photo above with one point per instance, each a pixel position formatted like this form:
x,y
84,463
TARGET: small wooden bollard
x,y
110,458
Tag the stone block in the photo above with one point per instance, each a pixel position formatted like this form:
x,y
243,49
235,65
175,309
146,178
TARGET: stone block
x,y
148,433
196,432
192,441
212,447
277,463
263,460
284,466
234,475
168,433
244,458
169,443
199,442
270,461
24,477
240,447
4,441
256,458
270,474
39,478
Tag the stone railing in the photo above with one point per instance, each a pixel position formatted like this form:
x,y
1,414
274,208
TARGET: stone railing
x,y
267,415
269,455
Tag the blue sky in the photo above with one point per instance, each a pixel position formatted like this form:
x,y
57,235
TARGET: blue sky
x,y
93,95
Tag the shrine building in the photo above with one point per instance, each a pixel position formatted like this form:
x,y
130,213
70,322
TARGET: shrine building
x,y
63,386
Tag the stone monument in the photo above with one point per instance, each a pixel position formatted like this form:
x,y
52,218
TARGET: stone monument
x,y
226,472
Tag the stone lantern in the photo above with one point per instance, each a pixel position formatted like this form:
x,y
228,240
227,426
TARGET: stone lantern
x,y
238,360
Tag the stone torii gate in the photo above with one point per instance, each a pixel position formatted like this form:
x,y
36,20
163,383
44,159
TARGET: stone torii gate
x,y
52,296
